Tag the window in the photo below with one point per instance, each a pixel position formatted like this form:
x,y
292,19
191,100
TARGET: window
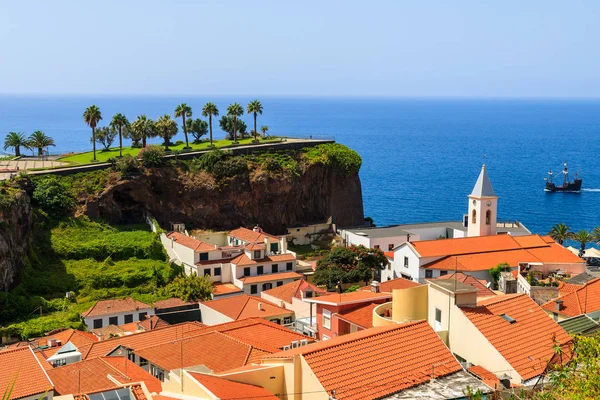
x,y
555,315
326,319
287,320
405,262
143,362
128,318
218,271
277,321
442,273
308,294
474,217
256,253
60,362
274,268
247,271
253,289
289,266
391,246
376,246
428,273
142,316
203,256
488,217
259,270
207,271
267,286
279,283
113,320
98,323
438,319
274,247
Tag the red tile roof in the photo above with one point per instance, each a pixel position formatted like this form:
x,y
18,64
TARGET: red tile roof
x,y
362,316
248,235
113,306
153,322
389,254
293,289
245,306
192,243
243,259
270,277
479,284
360,296
221,288
389,286
486,376
224,389
255,246
78,338
21,366
91,376
528,343
377,362
468,245
584,300
173,302
565,288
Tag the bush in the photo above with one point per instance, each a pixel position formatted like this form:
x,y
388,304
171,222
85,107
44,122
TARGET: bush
x,y
208,160
230,167
53,196
127,165
334,154
190,287
179,143
152,156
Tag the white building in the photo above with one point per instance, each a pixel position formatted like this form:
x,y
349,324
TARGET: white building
x,y
116,312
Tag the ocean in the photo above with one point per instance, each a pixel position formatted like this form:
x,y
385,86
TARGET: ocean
x,y
421,157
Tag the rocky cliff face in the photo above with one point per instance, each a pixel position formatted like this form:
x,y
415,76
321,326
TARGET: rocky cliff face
x,y
257,197
16,225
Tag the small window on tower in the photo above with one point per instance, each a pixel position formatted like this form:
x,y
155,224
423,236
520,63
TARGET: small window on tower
x,y
488,216
474,217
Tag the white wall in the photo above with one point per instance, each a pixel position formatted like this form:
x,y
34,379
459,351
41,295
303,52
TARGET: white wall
x,y
89,321
247,288
398,270
212,317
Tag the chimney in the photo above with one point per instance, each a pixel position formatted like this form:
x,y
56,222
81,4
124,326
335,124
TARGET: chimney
x,y
260,306
408,237
283,245
375,287
558,305
257,228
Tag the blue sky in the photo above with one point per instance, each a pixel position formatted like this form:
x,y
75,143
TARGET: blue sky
x,y
301,48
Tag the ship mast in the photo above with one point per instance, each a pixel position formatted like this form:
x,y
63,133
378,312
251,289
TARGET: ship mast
x,y
566,174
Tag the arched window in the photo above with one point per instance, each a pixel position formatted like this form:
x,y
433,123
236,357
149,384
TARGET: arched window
x,y
474,217
488,217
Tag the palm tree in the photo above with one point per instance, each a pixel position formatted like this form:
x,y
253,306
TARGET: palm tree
x,y
166,128
583,237
210,110
38,140
596,234
183,110
119,121
92,116
255,108
234,111
560,233
143,128
15,140
264,129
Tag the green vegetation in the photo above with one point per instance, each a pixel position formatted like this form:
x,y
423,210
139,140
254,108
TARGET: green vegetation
x,y
91,116
255,108
334,154
497,271
191,287
52,196
16,140
234,111
352,264
39,140
183,111
210,110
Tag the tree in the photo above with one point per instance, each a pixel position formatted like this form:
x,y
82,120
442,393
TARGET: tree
x,y
183,111
142,129
349,265
16,140
53,196
119,121
497,271
197,128
190,287
583,237
209,110
226,124
166,128
38,140
560,233
234,111
264,129
92,116
596,234
255,108
106,136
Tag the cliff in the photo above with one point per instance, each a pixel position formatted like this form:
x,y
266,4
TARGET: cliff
x,y
16,225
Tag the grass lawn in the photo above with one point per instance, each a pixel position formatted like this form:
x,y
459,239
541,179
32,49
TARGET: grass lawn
x,y
103,156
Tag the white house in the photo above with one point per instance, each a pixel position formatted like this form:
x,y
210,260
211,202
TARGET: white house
x,y
116,312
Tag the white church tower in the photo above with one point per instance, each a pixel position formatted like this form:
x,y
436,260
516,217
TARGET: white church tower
x,y
483,207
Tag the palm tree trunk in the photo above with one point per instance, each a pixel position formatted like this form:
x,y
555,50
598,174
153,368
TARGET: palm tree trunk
x,y
185,131
255,127
94,140
144,140
234,130
120,143
41,150
17,151
166,142
210,126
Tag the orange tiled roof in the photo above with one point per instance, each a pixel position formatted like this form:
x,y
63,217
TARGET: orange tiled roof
x,y
565,288
528,343
293,289
153,322
255,246
389,286
192,243
78,338
468,245
271,277
224,389
245,306
585,299
113,306
21,366
248,235
486,376
172,302
260,332
91,376
361,296
221,288
479,284
243,259
377,362
362,316
389,254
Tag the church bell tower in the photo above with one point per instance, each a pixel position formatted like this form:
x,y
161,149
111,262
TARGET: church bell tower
x,y
483,207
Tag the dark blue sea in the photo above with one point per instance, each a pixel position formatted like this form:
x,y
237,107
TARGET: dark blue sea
x,y
421,157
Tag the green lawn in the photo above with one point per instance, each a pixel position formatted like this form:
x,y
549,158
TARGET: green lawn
x,y
103,156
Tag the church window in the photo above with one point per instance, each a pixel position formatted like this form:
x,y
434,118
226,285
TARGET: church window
x,y
474,217
488,217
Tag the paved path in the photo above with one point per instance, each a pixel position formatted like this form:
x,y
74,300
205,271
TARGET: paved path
x,y
25,164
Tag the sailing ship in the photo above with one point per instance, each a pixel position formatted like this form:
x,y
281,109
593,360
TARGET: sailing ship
x,y
573,186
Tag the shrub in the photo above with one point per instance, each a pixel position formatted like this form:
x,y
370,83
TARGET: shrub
x,y
334,154
152,156
127,165
230,167
190,287
53,196
179,143
208,160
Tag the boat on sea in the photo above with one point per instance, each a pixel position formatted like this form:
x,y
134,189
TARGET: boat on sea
x,y
567,186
